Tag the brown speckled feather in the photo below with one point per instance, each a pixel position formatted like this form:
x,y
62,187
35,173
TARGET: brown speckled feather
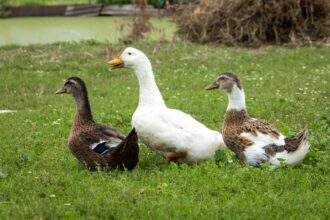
x,y
105,130
100,132
237,122
81,138
84,154
255,125
291,143
125,155
231,130
255,141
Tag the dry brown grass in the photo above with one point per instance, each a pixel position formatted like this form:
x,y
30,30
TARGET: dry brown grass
x,y
255,22
141,23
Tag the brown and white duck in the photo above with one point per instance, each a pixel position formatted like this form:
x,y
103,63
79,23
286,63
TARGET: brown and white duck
x,y
97,144
255,141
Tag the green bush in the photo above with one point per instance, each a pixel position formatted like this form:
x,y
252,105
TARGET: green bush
x,y
3,6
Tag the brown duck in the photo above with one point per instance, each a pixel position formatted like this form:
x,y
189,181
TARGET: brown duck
x,y
255,141
97,144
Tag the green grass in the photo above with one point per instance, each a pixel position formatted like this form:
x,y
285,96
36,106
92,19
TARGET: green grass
x,y
40,179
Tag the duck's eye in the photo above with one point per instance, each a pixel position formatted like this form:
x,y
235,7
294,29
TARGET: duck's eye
x,y
68,83
129,53
222,78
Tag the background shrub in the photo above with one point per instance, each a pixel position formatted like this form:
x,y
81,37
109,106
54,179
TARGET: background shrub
x,y
3,12
121,2
254,22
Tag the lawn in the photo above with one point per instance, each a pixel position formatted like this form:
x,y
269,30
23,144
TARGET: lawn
x,y
40,179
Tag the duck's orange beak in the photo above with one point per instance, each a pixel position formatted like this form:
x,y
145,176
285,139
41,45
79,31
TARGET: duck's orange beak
x,y
116,63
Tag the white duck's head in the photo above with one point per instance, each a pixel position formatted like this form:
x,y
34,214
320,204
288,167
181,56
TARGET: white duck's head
x,y
227,82
139,62
131,58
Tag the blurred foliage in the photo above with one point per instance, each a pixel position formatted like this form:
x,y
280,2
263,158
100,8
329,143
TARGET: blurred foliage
x,y
60,2
48,2
122,2
255,23
3,6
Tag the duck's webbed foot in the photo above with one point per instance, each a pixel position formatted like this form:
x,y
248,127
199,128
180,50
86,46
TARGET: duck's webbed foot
x,y
175,156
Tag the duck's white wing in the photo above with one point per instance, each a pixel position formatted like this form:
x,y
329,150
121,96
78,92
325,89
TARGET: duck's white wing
x,y
263,132
172,130
182,120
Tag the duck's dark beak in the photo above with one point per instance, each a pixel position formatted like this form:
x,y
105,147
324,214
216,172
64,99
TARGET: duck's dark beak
x,y
116,63
214,85
60,91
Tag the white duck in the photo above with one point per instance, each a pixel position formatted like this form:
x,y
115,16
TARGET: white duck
x,y
172,133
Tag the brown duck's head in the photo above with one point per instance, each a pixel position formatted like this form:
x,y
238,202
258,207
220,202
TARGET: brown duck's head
x,y
73,85
226,81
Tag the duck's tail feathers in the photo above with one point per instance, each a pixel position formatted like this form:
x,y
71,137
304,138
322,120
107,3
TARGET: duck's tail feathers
x,y
127,152
130,140
295,148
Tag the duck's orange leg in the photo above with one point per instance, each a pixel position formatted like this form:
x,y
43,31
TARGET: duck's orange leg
x,y
174,156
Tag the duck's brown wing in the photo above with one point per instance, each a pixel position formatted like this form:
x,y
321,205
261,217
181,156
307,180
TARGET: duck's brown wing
x,y
119,153
105,131
254,126
101,138
81,150
97,135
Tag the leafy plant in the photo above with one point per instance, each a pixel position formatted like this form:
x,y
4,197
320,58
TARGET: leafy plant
x,y
3,6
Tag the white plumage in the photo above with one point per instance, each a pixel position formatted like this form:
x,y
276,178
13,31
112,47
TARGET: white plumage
x,y
170,130
164,129
264,139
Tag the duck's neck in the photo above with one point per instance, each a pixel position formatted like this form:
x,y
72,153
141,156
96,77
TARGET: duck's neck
x,y
83,113
149,92
236,99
